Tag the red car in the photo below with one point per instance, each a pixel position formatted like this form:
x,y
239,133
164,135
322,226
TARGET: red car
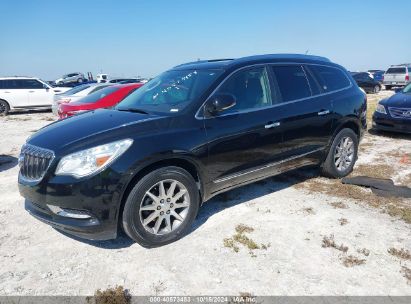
x,y
104,98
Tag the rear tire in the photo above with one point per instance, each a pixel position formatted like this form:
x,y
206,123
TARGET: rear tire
x,y
342,155
388,88
154,214
4,108
376,89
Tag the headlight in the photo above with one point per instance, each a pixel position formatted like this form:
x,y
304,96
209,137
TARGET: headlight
x,y
381,109
92,160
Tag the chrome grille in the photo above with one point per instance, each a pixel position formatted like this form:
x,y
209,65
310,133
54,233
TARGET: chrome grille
x,y
400,112
34,162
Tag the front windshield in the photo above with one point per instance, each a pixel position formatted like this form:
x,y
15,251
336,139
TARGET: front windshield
x,y
171,91
407,89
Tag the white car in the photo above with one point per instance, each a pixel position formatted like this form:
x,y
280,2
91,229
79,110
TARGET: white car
x,y
76,93
18,93
101,78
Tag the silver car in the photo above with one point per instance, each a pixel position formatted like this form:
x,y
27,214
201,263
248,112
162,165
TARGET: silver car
x,y
397,76
76,93
71,78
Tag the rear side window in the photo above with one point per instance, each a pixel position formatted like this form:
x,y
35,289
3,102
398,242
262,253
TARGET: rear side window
x,y
330,79
396,71
98,95
2,84
292,82
97,88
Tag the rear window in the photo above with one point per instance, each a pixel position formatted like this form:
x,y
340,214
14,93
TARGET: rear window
x,y
98,95
76,89
396,71
330,79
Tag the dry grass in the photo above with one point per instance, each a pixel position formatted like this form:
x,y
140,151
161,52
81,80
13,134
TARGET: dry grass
x,y
402,212
243,229
394,206
351,261
378,171
364,251
328,242
239,238
116,295
246,241
229,243
407,273
309,210
339,205
343,221
401,253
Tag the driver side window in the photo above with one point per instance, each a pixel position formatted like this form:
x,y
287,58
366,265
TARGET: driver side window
x,y
250,87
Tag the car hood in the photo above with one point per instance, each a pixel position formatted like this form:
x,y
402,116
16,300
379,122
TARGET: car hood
x,y
399,100
85,130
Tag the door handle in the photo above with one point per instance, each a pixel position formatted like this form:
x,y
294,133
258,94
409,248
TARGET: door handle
x,y
31,91
272,125
325,112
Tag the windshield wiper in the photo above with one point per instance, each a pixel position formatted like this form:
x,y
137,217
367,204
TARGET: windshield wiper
x,y
134,110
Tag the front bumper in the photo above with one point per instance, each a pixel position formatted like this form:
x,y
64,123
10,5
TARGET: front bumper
x,y
90,229
96,196
387,123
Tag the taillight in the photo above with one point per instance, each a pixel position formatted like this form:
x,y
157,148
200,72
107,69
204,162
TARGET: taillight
x,y
382,77
407,77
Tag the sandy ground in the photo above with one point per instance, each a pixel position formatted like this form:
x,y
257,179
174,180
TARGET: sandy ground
x,y
289,216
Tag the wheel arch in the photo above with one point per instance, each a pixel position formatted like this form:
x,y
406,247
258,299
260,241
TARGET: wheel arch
x,y
179,161
8,103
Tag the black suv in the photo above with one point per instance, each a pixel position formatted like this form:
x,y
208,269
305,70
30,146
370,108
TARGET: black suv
x,y
197,130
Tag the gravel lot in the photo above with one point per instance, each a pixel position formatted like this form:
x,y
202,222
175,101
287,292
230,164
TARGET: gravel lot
x,y
314,237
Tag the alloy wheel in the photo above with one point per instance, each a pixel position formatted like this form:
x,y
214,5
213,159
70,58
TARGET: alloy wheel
x,y
344,154
164,207
3,108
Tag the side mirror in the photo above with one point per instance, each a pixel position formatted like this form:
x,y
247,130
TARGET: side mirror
x,y
398,90
220,102
46,87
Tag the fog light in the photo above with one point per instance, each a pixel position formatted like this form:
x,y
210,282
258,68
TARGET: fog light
x,y
72,213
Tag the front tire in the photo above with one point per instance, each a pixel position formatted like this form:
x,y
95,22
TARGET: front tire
x,y
342,155
4,108
161,207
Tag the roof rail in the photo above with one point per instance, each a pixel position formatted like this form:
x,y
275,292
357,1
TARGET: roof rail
x,y
204,61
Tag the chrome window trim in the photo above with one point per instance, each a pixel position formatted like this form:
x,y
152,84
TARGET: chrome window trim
x,y
235,175
201,117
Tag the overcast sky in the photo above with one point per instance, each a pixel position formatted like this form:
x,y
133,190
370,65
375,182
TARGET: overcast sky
x,y
145,37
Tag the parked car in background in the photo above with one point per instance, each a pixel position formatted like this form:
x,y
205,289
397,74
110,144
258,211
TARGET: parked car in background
x,y
76,93
195,131
367,83
101,78
17,93
394,113
105,97
71,78
397,76
377,75
126,80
